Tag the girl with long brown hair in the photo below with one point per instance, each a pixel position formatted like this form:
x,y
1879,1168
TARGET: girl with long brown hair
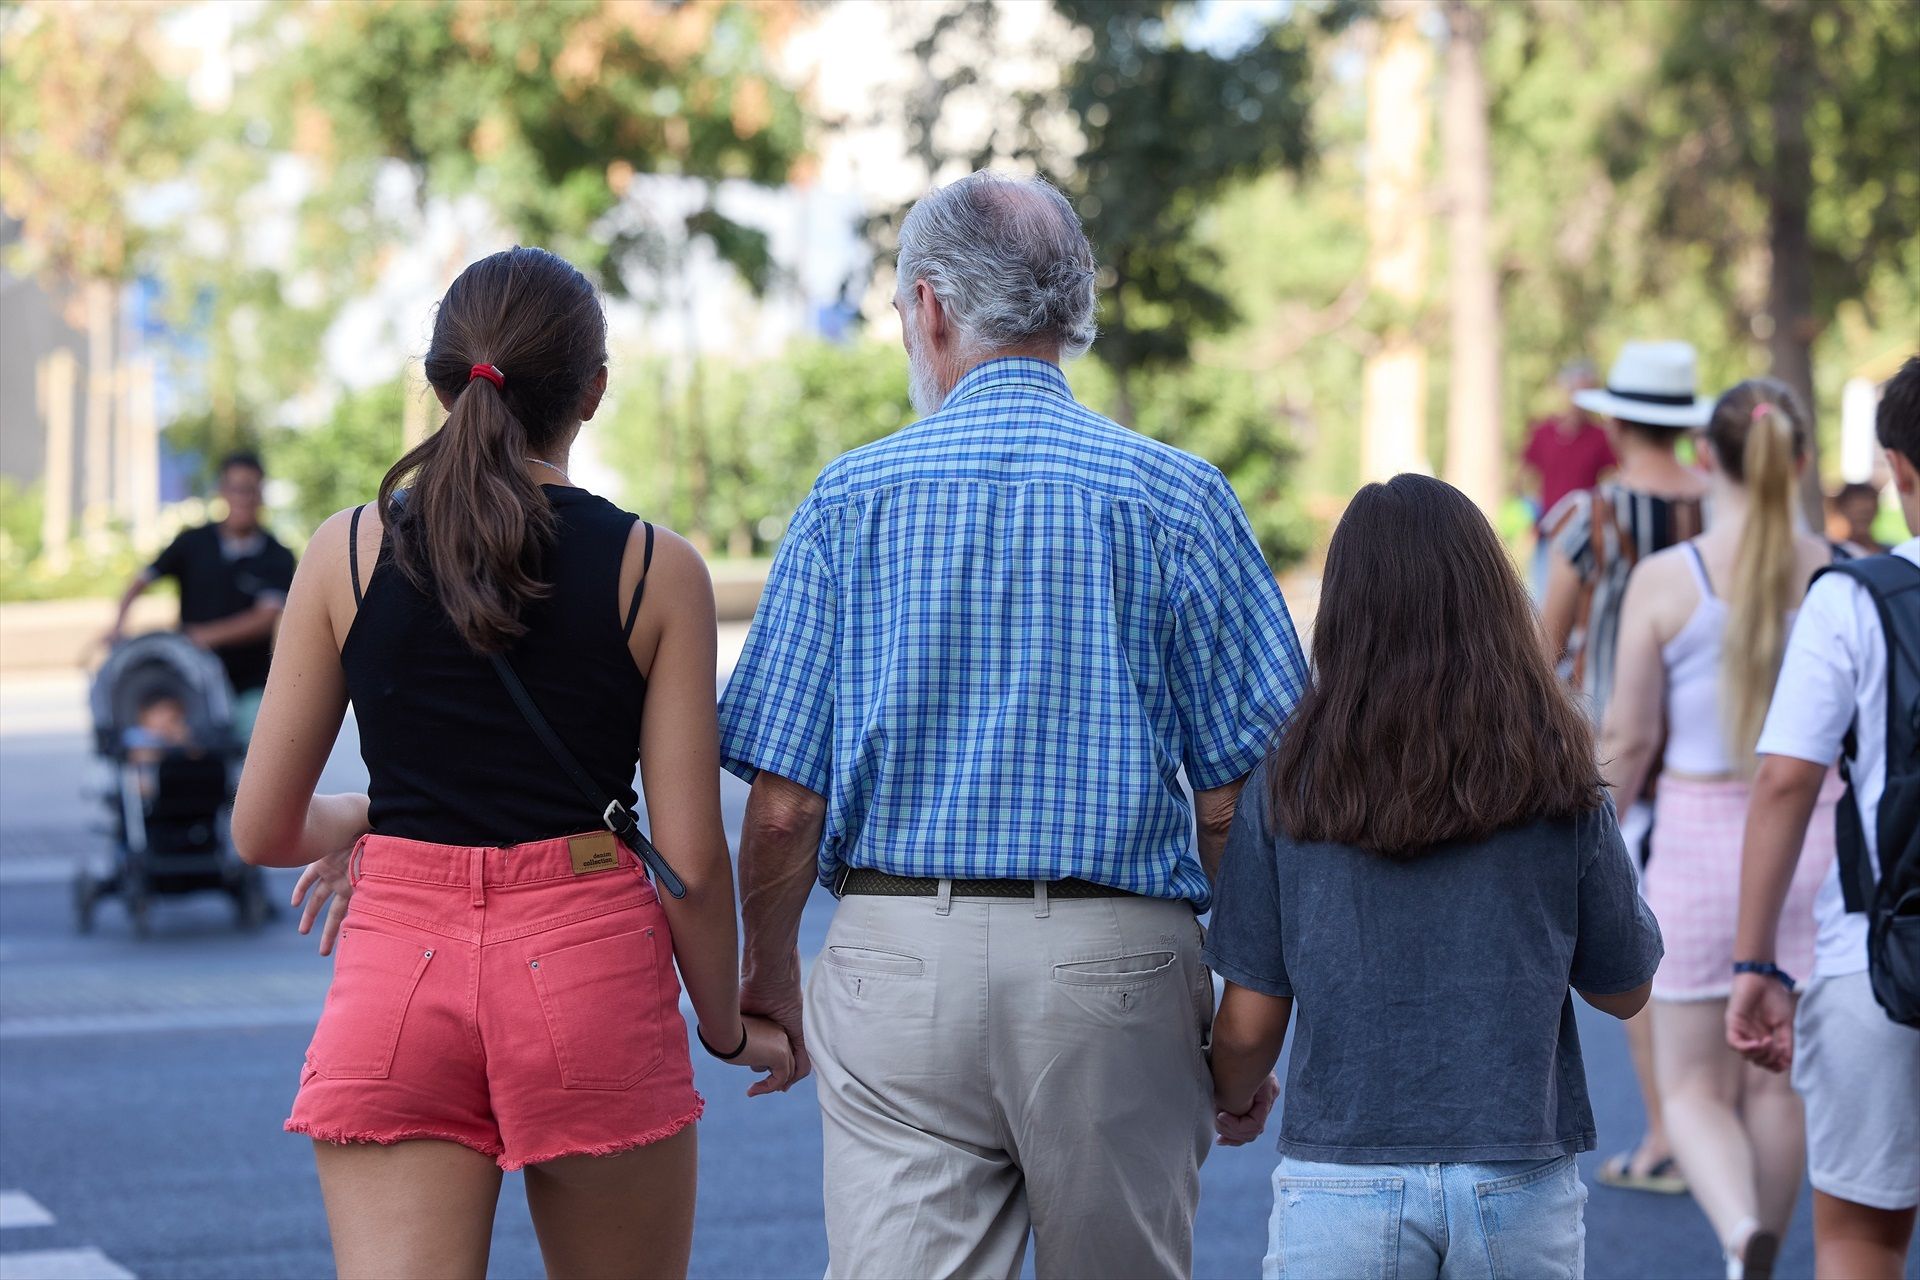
x,y
505,993
1702,633
1419,876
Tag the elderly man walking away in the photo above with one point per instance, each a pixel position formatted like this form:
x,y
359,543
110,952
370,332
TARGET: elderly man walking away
x,y
988,646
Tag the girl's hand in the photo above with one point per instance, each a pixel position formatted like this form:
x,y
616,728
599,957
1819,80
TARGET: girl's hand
x,y
1239,1130
769,1050
331,884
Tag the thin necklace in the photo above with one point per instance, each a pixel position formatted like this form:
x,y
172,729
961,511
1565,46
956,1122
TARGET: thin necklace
x,y
542,462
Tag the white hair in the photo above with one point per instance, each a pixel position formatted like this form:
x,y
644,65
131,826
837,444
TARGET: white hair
x,y
1007,258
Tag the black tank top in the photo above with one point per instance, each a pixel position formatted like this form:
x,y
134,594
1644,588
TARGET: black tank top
x,y
449,758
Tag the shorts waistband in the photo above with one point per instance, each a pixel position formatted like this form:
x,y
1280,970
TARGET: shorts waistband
x,y
397,858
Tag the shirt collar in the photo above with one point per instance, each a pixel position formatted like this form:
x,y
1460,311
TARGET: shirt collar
x,y
1010,371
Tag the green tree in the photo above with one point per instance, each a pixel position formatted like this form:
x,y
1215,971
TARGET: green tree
x,y
339,462
547,110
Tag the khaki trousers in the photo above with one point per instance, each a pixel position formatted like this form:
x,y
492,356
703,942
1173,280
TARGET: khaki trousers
x,y
990,1067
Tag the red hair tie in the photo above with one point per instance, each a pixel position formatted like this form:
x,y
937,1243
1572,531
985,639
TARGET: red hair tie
x,y
490,373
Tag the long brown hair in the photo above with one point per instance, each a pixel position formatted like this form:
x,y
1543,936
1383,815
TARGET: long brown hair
x,y
471,526
1759,434
1433,714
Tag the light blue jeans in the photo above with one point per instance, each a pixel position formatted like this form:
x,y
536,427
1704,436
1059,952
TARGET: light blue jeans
x,y
1508,1218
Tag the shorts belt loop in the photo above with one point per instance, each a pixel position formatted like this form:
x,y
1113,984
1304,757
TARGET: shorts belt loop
x,y
355,859
943,901
476,875
1042,905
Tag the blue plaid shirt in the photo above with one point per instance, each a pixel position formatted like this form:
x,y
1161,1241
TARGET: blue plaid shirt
x,y
993,639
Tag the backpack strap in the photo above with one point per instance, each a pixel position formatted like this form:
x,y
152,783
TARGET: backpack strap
x,y
1882,577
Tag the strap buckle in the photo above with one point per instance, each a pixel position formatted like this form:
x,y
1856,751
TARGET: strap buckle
x,y
618,819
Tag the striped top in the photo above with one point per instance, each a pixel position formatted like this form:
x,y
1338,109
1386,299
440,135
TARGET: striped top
x,y
994,639
1603,533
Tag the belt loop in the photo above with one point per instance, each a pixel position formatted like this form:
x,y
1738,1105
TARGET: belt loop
x,y
943,901
1042,905
355,859
476,875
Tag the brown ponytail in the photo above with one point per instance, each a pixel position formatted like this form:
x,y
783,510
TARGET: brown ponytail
x,y
1759,435
471,527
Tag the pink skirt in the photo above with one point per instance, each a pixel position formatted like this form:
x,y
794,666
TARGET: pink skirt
x,y
1693,885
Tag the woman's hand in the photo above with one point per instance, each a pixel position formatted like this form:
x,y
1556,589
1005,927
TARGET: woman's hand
x,y
326,885
1239,1130
769,1050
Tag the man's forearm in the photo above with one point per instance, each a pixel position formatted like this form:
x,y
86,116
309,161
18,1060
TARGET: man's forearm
x,y
1785,792
1213,819
255,624
779,846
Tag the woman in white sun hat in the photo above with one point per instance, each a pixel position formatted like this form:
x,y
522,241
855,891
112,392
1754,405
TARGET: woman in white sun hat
x,y
1650,402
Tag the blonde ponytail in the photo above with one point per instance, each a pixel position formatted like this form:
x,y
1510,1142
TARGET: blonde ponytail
x,y
1759,437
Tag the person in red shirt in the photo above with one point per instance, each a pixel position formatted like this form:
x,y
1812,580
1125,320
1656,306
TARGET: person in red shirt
x,y
1565,454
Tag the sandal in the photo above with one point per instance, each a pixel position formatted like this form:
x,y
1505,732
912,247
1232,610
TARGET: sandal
x,y
1663,1179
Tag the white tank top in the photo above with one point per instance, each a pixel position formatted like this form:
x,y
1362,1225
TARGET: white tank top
x,y
1696,730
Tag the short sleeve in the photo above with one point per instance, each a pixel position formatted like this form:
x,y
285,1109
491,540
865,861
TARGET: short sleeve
x,y
1235,668
1569,527
1245,934
1618,946
777,712
1821,671
276,575
171,561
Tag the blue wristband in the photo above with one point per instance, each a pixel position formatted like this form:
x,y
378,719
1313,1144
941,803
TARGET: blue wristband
x,y
1766,968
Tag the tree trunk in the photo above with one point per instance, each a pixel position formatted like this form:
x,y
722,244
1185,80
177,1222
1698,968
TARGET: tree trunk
x,y
96,512
143,454
1399,122
1790,275
56,377
1475,463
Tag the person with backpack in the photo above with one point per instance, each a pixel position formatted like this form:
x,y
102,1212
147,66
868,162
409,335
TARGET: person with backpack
x,y
1596,537
1418,877
1849,689
1702,632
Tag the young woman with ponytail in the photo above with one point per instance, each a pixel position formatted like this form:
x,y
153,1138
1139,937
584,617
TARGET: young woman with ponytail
x,y
1702,632
505,991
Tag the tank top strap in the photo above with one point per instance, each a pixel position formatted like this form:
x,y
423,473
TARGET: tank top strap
x,y
1699,567
640,587
353,552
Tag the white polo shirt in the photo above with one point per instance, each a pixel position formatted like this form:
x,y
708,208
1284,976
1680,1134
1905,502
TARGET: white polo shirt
x,y
1835,678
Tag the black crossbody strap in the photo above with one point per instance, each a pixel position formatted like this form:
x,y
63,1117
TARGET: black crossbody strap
x,y
616,817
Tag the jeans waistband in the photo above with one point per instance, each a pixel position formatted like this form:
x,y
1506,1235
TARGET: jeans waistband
x,y
423,862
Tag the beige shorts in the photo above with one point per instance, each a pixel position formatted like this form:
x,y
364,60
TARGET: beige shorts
x,y
1858,1073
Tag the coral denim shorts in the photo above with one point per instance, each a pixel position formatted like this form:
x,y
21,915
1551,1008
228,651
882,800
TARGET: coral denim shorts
x,y
520,1001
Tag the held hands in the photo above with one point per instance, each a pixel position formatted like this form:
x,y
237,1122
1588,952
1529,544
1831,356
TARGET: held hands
x,y
1760,1021
1239,1130
776,997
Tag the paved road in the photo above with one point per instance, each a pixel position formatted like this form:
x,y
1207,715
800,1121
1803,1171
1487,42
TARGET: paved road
x,y
142,1085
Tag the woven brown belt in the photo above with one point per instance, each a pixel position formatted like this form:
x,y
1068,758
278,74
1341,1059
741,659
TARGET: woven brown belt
x,y
880,884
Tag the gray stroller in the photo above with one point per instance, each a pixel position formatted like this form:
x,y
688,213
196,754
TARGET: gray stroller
x,y
163,725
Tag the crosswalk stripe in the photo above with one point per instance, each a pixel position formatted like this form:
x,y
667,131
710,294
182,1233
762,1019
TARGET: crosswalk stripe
x,y
18,1209
61,1264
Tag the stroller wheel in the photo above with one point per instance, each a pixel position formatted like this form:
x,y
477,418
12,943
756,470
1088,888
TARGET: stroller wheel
x,y
84,899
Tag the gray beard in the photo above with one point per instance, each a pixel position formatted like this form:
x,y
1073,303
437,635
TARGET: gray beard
x,y
923,385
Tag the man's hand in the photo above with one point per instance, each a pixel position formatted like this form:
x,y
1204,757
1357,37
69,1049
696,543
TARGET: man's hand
x,y
776,997
1760,1021
1239,1130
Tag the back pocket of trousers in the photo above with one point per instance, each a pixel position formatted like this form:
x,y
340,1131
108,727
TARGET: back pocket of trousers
x,y
1335,1227
374,978
602,1001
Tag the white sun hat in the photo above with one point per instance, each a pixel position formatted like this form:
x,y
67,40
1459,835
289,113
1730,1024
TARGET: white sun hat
x,y
1650,383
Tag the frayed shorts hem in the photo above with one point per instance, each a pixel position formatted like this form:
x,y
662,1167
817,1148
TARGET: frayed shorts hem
x,y
494,1151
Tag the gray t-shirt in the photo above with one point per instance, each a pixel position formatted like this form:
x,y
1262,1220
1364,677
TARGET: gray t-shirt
x,y
1432,1017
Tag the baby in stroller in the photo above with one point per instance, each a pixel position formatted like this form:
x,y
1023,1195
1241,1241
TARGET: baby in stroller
x,y
163,727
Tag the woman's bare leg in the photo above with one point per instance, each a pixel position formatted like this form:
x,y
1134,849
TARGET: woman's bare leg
x,y
411,1209
631,1214
1858,1242
1777,1127
1654,1145
1699,1079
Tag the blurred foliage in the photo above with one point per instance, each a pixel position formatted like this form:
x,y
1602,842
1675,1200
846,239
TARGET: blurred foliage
x,y
546,111
26,575
88,115
339,463
728,457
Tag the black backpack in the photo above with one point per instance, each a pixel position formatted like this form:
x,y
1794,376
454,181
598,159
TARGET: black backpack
x,y
1892,900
